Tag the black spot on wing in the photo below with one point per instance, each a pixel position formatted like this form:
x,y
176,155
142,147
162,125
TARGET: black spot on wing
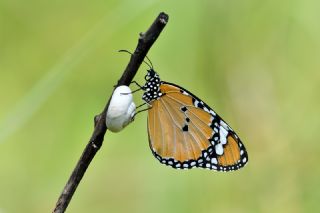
x,y
185,128
183,109
200,105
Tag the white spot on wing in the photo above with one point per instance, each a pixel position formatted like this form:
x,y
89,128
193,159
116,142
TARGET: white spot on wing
x,y
185,93
244,160
223,135
222,123
212,112
223,139
196,102
214,160
219,149
223,131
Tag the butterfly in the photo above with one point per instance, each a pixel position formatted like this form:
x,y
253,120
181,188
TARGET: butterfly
x,y
184,132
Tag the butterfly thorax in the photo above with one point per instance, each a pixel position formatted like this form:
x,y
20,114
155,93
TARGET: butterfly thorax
x,y
151,87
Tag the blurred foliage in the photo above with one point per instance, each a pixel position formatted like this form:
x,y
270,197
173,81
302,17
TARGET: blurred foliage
x,y
256,62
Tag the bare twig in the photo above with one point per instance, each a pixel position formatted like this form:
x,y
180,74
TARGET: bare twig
x,y
146,40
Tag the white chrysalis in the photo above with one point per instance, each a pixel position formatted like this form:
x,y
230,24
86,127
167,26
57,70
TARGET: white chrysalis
x,y
121,109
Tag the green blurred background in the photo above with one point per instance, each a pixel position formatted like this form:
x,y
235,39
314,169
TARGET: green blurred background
x,y
256,62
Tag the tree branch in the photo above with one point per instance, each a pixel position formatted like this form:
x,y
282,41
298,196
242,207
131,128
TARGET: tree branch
x,y
145,42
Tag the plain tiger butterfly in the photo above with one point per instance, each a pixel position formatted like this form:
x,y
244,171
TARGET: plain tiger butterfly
x,y
121,109
184,132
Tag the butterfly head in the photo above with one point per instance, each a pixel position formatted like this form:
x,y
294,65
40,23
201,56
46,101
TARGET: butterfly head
x,y
152,86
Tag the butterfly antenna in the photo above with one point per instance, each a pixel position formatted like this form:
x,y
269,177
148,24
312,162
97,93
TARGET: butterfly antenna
x,y
150,66
150,62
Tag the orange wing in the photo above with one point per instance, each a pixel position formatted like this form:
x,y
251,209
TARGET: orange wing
x,y
184,132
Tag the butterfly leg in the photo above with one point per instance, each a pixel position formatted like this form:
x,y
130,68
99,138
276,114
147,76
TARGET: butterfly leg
x,y
140,88
149,106
131,92
141,105
136,83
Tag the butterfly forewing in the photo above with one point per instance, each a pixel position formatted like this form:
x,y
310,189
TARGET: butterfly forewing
x,y
166,138
184,132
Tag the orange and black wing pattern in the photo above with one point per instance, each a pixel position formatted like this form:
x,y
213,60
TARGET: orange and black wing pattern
x,y
184,132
